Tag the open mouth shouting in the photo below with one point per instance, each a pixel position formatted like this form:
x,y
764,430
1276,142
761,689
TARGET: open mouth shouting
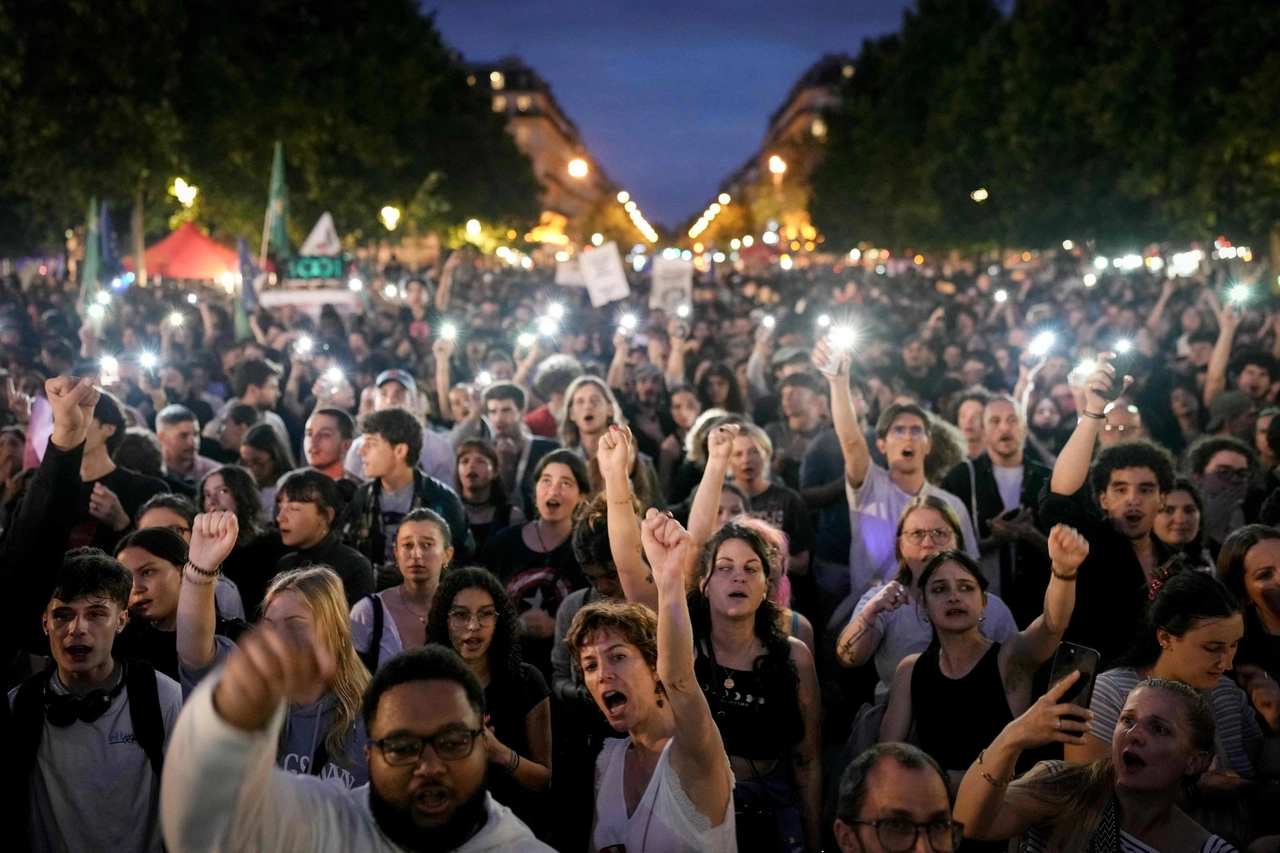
x,y
553,506
1132,761
434,800
79,653
472,644
615,704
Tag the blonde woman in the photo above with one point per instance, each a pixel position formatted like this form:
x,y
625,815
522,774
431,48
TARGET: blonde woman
x,y
590,409
323,734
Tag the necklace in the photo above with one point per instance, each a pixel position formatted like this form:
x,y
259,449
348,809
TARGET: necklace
x,y
728,679
420,617
537,531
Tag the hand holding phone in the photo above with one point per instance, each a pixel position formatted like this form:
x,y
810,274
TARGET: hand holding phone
x,y
1068,659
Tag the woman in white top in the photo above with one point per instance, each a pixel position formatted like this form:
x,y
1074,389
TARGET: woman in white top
x,y
396,619
667,788
1125,800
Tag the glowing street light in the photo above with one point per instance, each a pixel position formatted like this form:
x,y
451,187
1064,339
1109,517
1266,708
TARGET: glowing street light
x,y
184,192
597,239
473,227
724,198
777,165
980,195
578,168
624,197
390,217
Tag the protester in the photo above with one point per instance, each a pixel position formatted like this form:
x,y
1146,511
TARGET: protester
x,y
397,389
327,438
221,784
1249,567
639,670
1126,799
535,561
385,623
518,449
267,458
473,615
90,732
256,383
309,506
961,669
1178,523
1224,469
484,496
179,431
391,440
252,563
893,797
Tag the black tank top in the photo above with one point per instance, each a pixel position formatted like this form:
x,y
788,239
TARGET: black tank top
x,y
757,720
956,718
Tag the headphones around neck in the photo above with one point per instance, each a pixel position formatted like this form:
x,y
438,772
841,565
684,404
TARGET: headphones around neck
x,y
63,709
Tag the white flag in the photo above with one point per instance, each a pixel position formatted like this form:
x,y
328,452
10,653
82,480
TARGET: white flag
x,y
323,239
602,271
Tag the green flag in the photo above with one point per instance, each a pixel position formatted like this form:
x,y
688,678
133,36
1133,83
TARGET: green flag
x,y
275,237
92,266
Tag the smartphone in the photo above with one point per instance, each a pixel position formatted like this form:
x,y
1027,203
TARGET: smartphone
x,y
1071,658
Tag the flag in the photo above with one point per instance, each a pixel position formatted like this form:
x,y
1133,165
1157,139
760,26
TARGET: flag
x,y
110,267
275,237
250,272
92,266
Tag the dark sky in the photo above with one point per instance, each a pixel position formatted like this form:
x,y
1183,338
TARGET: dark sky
x,y
670,96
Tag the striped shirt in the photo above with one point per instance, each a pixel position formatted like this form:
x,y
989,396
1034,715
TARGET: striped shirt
x,y
1237,725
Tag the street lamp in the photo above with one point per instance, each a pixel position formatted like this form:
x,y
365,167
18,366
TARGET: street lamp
x,y
777,165
577,168
390,217
980,195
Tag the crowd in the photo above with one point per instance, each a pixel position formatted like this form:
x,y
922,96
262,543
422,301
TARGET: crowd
x,y
827,559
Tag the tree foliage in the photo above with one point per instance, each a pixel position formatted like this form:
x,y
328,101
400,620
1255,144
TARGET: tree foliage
x,y
1119,121
373,109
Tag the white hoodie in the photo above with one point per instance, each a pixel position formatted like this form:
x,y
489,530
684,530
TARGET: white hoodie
x,y
221,791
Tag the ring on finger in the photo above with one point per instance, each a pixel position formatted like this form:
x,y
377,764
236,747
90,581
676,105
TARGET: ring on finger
x,y
1059,724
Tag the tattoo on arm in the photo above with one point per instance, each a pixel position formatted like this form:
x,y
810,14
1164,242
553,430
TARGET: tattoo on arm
x,y
846,648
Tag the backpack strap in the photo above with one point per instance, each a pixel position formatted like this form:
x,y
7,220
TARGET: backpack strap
x,y
973,495
26,730
370,658
144,711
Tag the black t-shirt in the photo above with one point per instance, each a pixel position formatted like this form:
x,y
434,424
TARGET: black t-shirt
x,y
143,641
785,509
132,489
508,703
1258,647
349,564
252,567
533,579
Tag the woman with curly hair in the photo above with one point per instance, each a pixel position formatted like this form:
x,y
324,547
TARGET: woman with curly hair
x,y
473,614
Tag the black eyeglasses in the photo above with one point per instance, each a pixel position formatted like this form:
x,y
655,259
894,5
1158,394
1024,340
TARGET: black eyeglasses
x,y
451,745
898,835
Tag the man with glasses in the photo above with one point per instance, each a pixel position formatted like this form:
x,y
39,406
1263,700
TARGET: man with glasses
x,y
1121,421
424,711
893,799
1224,469
878,495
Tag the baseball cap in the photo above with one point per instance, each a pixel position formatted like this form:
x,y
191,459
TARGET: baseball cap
x,y
785,355
396,375
1228,405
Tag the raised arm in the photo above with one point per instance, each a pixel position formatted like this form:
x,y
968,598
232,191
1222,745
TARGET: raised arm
x,y
861,637
991,808
213,535
1072,467
614,456
1215,379
697,752
617,375
1156,319
442,349
446,280
1033,646
706,503
853,444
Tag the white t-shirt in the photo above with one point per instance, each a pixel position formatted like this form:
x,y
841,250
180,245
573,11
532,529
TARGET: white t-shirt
x,y
665,819
874,509
92,787
362,628
1009,483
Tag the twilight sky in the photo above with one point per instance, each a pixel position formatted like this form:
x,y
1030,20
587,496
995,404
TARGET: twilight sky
x,y
669,96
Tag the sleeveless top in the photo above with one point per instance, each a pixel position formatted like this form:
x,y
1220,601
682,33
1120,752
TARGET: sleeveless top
x,y
665,820
749,710
958,718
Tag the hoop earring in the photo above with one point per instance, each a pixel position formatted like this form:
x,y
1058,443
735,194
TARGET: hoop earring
x,y
659,692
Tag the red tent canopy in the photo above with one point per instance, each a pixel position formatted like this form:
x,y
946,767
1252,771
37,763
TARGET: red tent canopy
x,y
187,253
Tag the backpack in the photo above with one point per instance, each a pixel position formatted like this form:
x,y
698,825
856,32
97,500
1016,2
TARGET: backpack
x,y
370,658
27,726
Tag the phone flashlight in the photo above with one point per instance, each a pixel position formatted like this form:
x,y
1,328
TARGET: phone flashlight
x,y
1041,344
175,319
449,332
769,322
682,311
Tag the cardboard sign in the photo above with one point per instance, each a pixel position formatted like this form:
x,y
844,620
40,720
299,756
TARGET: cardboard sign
x,y
603,273
323,239
672,284
569,274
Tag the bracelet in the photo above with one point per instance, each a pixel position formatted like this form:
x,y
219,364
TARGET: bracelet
x,y
1062,577
1092,416
513,763
993,780
186,578
203,572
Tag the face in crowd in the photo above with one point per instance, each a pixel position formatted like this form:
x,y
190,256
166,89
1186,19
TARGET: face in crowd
x,y
685,409
473,618
475,472
170,519
590,410
1003,430
421,553
556,493
303,524
156,585
381,458
1131,500
506,418
906,445
747,460
82,632
898,798
925,532
1204,653
322,442
1153,746
217,496
1178,522
623,684
738,582
953,598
